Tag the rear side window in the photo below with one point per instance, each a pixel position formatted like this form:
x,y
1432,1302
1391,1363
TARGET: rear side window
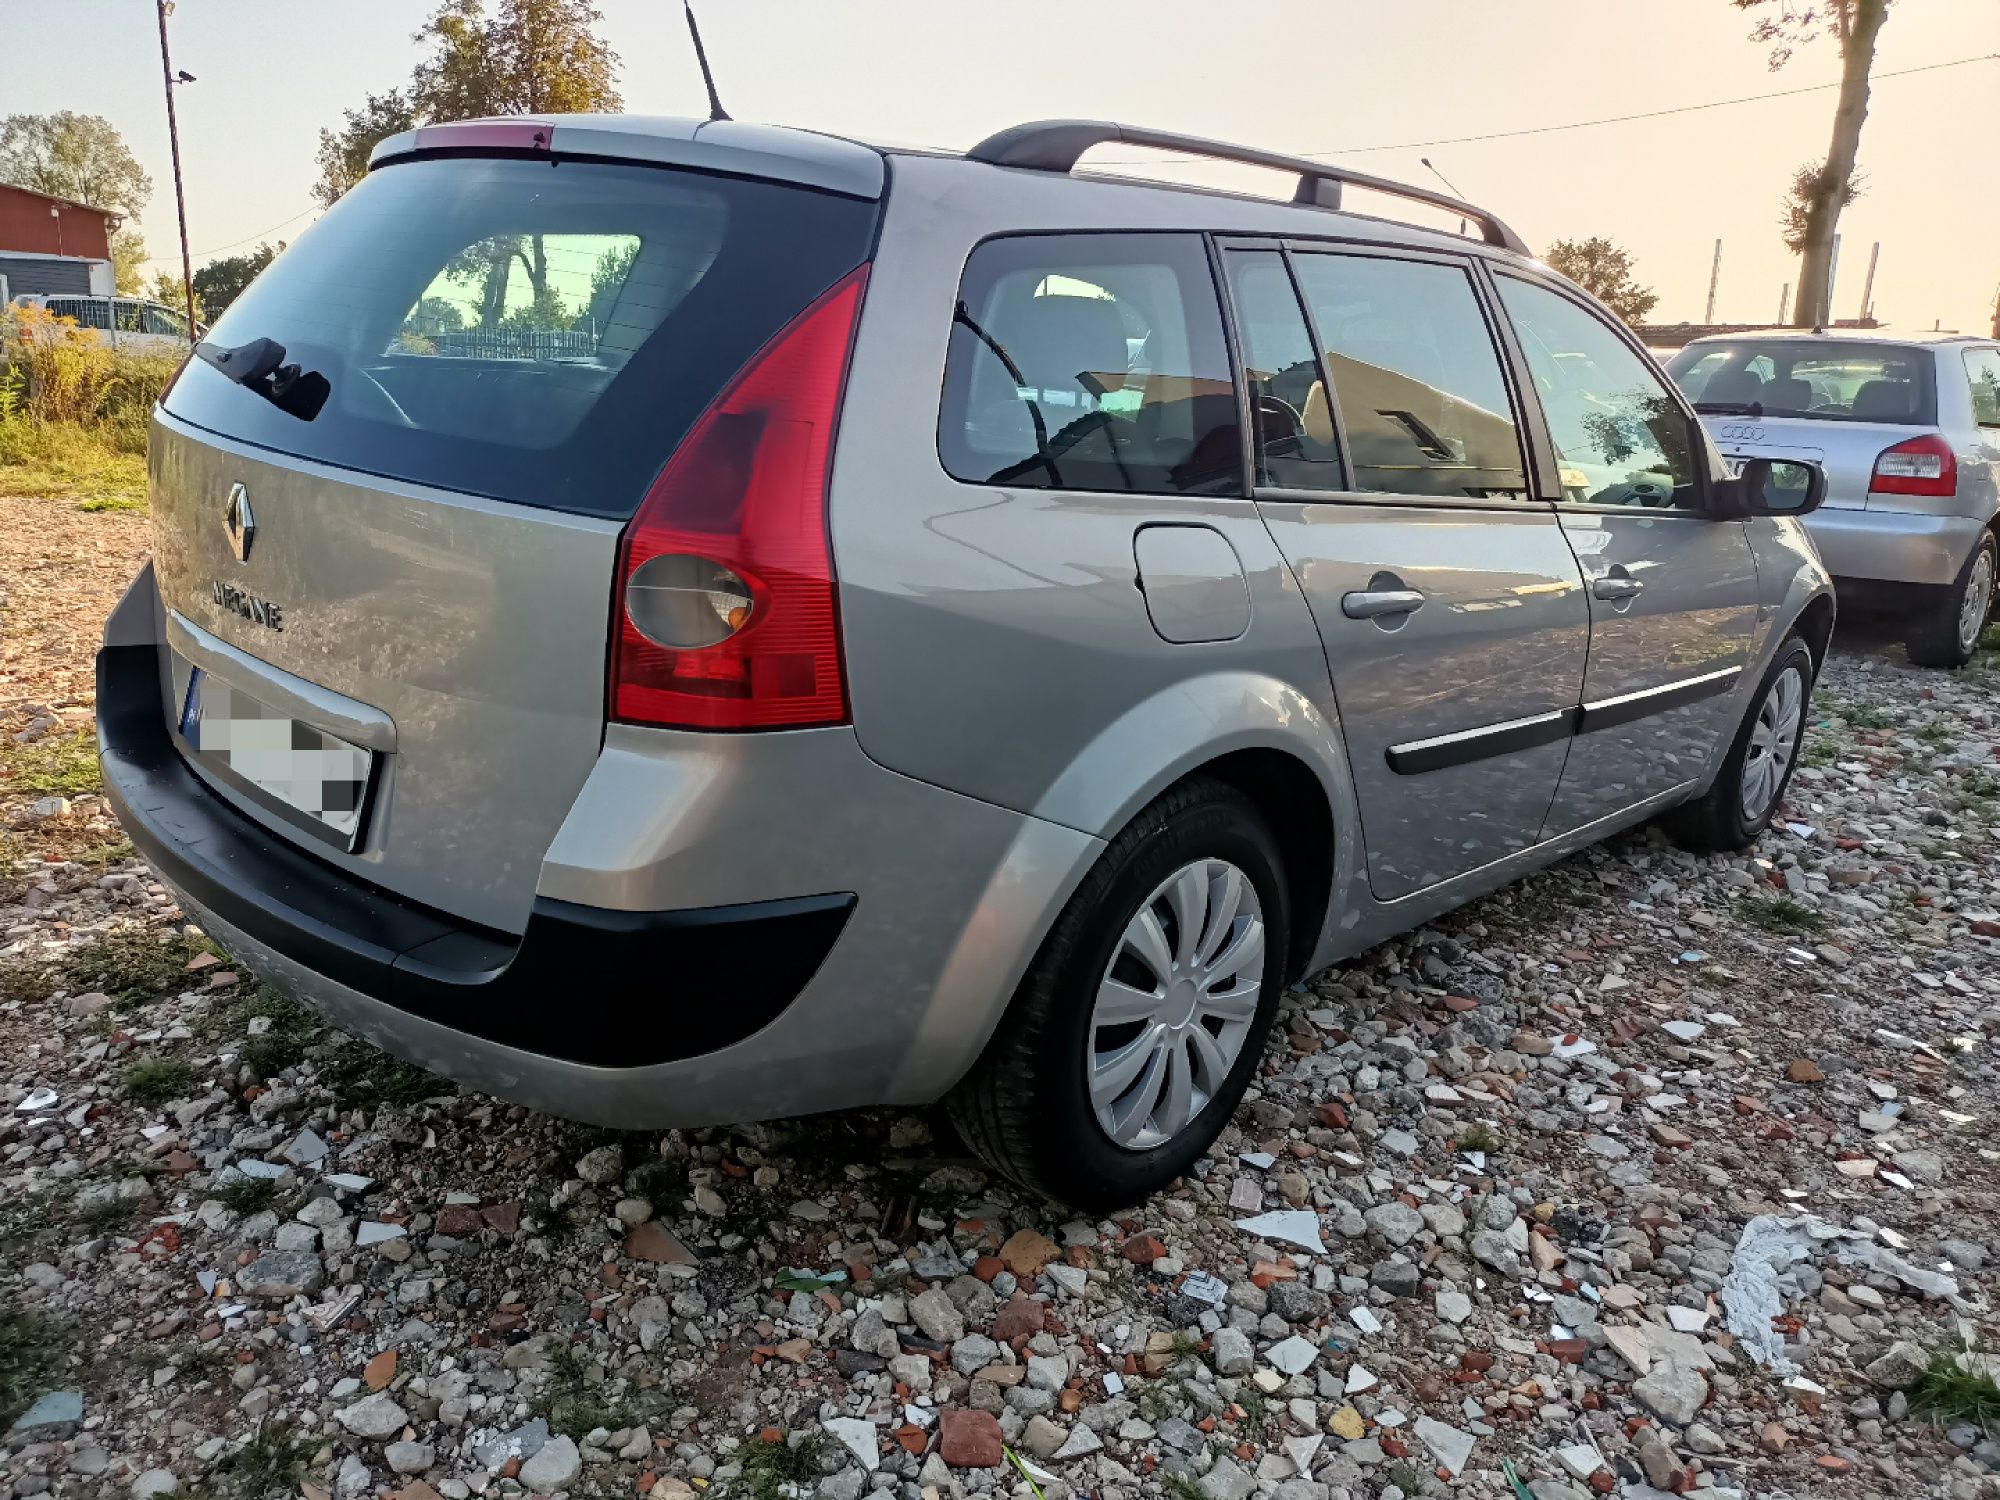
x,y
1824,379
1982,366
1091,362
532,331
1415,377
1296,444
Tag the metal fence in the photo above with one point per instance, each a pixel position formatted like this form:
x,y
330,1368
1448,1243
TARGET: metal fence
x,y
516,343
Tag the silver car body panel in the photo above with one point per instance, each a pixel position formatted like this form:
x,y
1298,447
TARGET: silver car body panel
x,y
461,622
1027,669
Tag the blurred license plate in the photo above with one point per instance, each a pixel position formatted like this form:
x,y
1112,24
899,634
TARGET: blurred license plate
x,y
314,780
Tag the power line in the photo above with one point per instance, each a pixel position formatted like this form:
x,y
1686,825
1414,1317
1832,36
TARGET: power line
x,y
1651,114
310,208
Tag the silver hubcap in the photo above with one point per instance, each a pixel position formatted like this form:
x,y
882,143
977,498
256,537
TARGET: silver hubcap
x,y
1175,1004
1774,739
1978,601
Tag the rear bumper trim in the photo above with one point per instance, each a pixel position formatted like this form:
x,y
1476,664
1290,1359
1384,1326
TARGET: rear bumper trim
x,y
677,984
1893,546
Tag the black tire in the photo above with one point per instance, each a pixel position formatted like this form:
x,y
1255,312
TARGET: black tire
x,y
1716,822
1936,638
1025,1106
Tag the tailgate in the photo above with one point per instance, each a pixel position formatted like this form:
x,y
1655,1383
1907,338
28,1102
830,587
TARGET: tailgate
x,y
388,491
476,627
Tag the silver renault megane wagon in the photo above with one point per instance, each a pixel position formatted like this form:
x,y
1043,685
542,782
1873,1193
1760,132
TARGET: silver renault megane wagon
x,y
676,622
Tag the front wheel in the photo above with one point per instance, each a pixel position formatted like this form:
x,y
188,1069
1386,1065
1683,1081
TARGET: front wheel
x,y
1753,778
1948,632
1142,1018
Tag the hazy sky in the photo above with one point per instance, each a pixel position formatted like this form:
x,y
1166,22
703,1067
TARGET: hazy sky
x,y
1328,76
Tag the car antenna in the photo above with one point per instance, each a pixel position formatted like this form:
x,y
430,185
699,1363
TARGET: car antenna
x,y
715,109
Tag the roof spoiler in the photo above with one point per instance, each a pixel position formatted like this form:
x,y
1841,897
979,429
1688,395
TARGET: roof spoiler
x,y
1056,146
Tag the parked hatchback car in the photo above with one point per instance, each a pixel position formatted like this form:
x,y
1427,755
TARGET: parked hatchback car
x,y
677,622
1907,428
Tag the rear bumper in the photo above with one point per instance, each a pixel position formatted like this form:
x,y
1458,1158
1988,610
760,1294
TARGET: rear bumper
x,y
656,984
1893,546
364,942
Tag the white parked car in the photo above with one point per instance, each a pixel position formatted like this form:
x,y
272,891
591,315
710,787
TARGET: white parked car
x,y
126,322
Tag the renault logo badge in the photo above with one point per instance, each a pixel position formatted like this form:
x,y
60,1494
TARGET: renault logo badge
x,y
241,525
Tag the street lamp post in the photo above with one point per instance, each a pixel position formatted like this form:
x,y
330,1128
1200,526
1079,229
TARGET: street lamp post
x,y
174,140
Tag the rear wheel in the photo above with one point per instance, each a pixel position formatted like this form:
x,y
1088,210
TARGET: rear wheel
x,y
1948,632
1753,778
1141,1020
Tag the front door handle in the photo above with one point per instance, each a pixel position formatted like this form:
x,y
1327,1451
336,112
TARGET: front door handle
x,y
1616,587
1372,604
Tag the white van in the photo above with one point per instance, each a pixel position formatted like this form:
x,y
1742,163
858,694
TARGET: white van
x,y
127,322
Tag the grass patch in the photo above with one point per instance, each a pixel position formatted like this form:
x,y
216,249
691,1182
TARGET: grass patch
x,y
574,1407
364,1077
1159,1399
246,1195
24,981
105,469
31,1353
130,963
275,1458
155,1080
1863,715
1478,1136
768,1466
1820,750
56,765
1779,914
1951,1393
1181,1486
27,1221
104,856
280,1045
1935,733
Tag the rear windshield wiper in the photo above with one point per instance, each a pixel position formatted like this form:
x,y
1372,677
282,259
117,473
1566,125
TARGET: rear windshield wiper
x,y
1731,408
260,366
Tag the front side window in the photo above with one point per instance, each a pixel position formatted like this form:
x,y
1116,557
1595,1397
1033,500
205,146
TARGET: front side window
x,y
1983,366
1415,376
1296,445
1620,437
1091,362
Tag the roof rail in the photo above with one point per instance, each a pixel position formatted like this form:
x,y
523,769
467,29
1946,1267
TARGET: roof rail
x,y
1056,146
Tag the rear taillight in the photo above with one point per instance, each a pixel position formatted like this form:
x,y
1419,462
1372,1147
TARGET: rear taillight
x,y
726,613
1922,466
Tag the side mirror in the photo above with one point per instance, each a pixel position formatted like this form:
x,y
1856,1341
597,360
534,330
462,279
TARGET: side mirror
x,y
1770,487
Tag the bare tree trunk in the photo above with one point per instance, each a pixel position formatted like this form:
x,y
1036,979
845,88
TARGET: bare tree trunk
x,y
1857,57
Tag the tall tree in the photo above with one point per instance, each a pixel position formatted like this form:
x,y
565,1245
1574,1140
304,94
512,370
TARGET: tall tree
x,y
1820,193
343,153
222,280
1605,271
128,257
525,57
79,157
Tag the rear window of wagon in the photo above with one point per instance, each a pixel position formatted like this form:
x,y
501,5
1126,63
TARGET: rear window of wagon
x,y
534,331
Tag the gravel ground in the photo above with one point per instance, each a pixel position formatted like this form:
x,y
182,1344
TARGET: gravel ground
x,y
1650,1174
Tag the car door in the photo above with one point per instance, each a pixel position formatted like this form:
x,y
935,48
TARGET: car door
x,y
1672,590
1390,471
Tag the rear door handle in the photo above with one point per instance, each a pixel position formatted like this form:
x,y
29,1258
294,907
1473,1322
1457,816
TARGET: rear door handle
x,y
1616,587
1372,604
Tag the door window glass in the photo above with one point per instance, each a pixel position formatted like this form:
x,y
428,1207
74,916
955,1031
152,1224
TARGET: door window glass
x,y
1422,402
1288,402
1620,437
1091,362
1983,366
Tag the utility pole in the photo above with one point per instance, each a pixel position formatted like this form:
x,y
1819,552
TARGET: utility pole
x,y
174,139
1868,286
1714,275
1823,314
1996,312
1784,303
